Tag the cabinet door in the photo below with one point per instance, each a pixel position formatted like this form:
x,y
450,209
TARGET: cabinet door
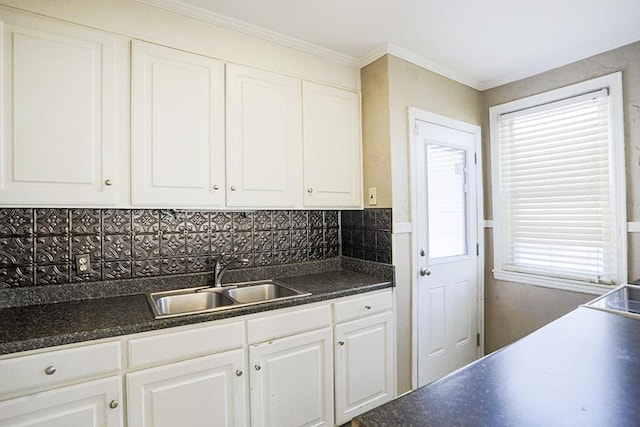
x,y
363,365
264,139
177,120
291,381
58,95
208,391
332,147
96,404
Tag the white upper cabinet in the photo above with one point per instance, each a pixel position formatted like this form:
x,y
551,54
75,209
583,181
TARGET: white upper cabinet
x,y
58,98
332,147
177,121
264,139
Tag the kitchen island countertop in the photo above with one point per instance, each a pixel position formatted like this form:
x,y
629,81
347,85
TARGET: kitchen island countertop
x,y
580,370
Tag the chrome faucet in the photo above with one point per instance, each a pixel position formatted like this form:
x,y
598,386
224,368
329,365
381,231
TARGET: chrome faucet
x,y
219,270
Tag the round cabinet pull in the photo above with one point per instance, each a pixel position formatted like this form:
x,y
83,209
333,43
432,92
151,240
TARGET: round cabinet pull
x,y
113,404
341,342
258,367
368,307
233,188
422,252
310,190
107,182
425,272
239,373
215,187
50,370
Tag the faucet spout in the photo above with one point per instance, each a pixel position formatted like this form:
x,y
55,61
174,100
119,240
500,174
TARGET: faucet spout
x,y
219,269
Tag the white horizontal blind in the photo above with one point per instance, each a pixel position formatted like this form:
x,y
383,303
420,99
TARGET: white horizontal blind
x,y
556,190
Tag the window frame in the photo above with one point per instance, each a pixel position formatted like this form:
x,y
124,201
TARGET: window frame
x,y
612,82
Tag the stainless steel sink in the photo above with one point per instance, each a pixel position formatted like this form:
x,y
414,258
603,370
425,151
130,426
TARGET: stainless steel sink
x,y
624,300
193,300
208,299
259,292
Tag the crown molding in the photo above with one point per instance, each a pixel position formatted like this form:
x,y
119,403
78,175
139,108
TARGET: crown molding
x,y
374,55
201,14
421,62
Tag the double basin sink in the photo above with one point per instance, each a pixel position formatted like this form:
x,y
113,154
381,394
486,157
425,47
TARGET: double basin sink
x,y
208,299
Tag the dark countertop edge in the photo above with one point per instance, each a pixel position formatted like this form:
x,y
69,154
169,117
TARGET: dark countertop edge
x,y
456,399
158,324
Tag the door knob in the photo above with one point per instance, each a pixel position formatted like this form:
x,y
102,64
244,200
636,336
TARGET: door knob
x,y
425,272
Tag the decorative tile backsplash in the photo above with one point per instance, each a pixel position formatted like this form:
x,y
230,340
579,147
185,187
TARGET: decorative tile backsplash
x,y
367,234
38,245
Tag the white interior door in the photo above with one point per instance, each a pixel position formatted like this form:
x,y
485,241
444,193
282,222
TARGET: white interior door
x,y
447,248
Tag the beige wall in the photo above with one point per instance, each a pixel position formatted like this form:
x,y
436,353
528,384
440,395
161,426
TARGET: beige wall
x,y
413,86
375,131
512,312
389,87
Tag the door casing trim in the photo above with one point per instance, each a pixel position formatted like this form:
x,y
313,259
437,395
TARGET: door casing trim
x,y
425,116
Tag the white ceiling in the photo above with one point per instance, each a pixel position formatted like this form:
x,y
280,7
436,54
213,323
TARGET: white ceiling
x,y
482,43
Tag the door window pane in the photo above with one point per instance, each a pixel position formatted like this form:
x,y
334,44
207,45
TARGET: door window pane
x,y
447,201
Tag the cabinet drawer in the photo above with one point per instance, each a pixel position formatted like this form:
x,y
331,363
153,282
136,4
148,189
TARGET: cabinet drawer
x,y
362,306
53,368
286,324
174,346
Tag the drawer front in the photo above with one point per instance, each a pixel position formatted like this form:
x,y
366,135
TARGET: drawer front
x,y
54,368
174,346
286,324
362,306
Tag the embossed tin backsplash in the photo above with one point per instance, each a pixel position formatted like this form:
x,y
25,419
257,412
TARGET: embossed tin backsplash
x,y
38,245
367,234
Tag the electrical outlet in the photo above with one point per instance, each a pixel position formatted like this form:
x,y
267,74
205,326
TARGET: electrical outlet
x,y
373,197
83,263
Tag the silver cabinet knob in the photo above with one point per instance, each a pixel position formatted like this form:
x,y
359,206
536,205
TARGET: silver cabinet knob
x,y
215,187
50,370
368,307
239,372
258,367
310,190
107,182
341,342
233,188
113,404
425,272
422,252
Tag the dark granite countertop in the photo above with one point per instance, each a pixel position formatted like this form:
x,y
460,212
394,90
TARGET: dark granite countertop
x,y
581,370
46,325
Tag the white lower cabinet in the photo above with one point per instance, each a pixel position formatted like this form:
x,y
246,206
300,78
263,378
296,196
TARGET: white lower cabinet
x,y
72,386
364,358
363,366
291,381
207,391
91,404
285,368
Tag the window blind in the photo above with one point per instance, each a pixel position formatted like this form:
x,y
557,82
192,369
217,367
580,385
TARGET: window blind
x,y
556,190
